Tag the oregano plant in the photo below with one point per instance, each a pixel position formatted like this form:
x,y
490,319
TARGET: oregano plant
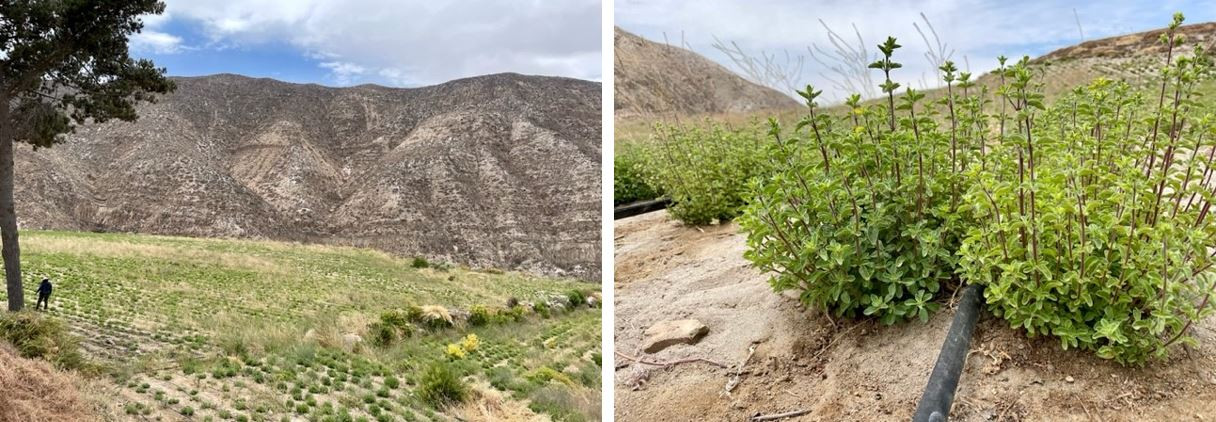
x,y
860,213
705,170
1091,214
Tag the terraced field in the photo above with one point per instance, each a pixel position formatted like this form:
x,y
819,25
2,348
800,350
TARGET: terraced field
x,y
198,329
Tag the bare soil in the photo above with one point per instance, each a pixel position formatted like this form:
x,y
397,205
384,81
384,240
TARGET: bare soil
x,y
854,370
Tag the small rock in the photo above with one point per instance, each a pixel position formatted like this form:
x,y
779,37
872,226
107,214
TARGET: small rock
x,y
1068,379
667,333
459,315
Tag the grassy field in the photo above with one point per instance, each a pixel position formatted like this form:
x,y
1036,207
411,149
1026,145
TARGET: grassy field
x,y
204,329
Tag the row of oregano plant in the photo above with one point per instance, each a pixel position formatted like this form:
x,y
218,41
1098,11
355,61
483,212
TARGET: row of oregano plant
x,y
1086,219
704,169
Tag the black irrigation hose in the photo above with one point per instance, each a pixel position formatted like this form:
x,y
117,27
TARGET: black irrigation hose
x,y
641,207
939,393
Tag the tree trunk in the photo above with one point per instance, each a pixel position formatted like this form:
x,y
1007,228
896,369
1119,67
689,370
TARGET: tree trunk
x,y
8,219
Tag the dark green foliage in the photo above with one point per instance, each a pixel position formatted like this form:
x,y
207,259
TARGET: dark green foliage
x,y
542,309
862,212
84,44
515,313
441,386
1093,214
382,334
479,315
705,171
1087,219
38,337
419,262
413,313
577,298
397,318
392,326
633,168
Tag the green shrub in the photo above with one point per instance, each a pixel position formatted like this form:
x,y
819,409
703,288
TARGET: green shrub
x,y
863,215
576,298
382,334
40,337
479,315
705,171
560,404
393,325
395,318
515,313
441,386
413,313
542,309
419,262
503,379
544,374
1104,243
632,167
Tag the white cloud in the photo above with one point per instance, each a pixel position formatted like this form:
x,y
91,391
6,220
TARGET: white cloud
x,y
344,73
412,42
156,42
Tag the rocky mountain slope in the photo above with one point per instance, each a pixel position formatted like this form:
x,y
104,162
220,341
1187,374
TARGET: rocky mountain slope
x,y
1139,43
654,78
500,170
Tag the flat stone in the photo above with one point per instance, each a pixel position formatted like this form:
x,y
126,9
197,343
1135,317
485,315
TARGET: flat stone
x,y
668,333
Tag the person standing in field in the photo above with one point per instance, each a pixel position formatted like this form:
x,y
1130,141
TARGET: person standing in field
x,y
44,294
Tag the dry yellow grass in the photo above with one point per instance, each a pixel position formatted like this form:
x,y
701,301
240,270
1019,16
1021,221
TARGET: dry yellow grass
x,y
31,390
121,249
488,405
436,312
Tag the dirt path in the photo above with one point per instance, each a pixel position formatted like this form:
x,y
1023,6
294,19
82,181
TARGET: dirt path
x,y
861,370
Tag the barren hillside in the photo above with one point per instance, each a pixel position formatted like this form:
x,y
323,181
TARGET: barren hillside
x,y
1135,44
654,78
500,170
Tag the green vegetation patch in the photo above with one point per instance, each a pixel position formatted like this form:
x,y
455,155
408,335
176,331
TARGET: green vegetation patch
x,y
246,330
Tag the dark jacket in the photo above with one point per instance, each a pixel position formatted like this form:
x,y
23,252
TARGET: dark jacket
x,y
44,288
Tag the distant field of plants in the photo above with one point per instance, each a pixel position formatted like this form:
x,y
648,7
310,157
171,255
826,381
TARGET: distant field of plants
x,y
1086,218
241,330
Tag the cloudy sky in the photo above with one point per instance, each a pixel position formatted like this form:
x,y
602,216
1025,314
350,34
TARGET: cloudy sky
x,y
387,42
976,30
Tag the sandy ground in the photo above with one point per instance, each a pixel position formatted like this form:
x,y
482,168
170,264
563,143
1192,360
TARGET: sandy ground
x,y
860,370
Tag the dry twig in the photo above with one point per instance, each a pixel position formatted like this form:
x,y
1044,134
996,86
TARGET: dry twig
x,y
672,363
780,415
734,381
